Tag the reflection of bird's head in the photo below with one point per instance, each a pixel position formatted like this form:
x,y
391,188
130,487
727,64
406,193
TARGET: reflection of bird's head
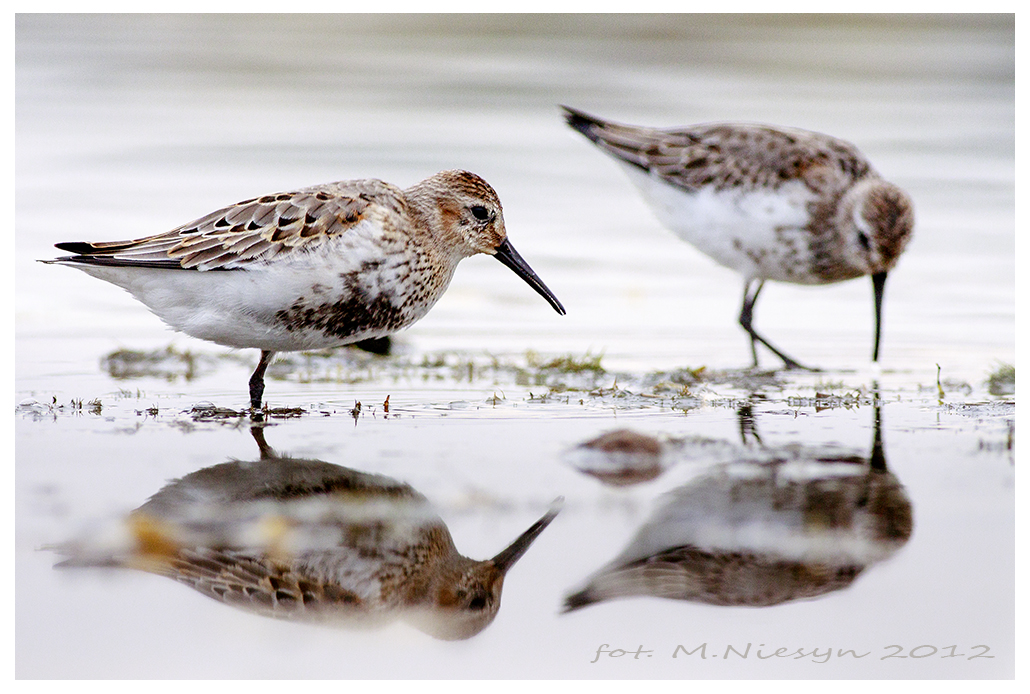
x,y
467,596
464,601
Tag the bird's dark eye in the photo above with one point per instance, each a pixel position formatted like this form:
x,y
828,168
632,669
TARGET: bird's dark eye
x,y
863,241
480,212
477,603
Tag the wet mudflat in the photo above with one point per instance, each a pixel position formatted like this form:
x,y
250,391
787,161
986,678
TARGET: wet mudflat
x,y
718,522
863,501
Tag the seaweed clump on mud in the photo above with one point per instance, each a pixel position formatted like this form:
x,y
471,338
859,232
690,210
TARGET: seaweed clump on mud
x,y
685,380
1002,381
211,413
169,363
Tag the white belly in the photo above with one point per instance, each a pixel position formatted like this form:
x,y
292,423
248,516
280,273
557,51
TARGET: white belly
x,y
300,304
760,234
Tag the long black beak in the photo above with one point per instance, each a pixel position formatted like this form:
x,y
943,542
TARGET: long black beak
x,y
507,254
879,279
513,552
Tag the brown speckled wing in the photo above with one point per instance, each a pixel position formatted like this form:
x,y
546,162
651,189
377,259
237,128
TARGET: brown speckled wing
x,y
754,156
723,156
251,231
257,583
715,578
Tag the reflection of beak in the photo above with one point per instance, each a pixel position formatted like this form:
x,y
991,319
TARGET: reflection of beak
x,y
515,550
879,279
507,254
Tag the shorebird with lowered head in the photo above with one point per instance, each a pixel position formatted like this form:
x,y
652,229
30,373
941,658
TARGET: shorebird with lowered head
x,y
771,203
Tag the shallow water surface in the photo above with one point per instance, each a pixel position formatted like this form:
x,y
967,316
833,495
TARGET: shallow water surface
x,y
856,522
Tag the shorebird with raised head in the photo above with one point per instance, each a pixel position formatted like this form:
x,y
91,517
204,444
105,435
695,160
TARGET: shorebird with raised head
x,y
316,268
771,203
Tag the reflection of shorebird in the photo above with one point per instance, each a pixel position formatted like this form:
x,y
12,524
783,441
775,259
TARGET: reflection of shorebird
x,y
771,203
620,458
319,267
623,457
791,524
308,540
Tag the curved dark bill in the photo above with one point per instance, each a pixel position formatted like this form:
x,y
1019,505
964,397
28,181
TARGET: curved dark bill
x,y
507,254
513,552
879,280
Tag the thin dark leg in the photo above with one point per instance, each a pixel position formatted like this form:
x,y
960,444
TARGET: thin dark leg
x,y
746,420
267,452
747,312
877,460
257,380
879,280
